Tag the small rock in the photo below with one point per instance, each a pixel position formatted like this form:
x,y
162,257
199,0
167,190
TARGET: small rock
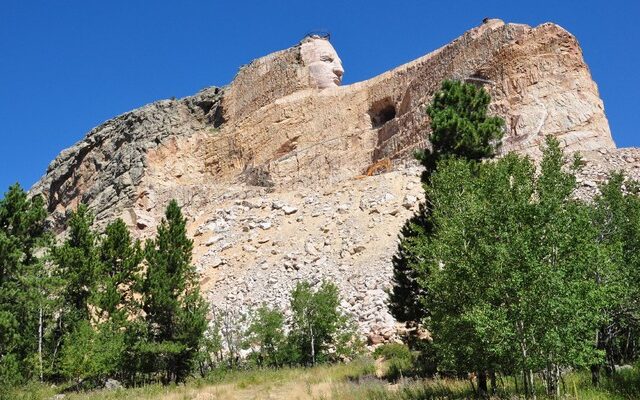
x,y
216,262
310,248
375,339
213,240
112,384
143,220
409,201
252,203
249,248
288,210
265,225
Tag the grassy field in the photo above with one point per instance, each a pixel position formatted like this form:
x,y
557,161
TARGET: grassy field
x,y
356,381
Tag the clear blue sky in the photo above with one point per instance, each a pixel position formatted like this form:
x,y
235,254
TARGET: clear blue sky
x,y
66,66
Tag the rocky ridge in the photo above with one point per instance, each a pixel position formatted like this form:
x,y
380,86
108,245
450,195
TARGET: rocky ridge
x,y
271,172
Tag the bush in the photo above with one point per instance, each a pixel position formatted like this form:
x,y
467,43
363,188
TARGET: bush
x,y
9,372
91,355
400,360
316,321
267,337
390,351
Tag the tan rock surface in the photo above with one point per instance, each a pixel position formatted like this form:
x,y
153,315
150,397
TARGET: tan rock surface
x,y
265,168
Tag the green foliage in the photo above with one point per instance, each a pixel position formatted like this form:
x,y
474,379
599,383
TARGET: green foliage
x,y
175,311
316,320
460,128
617,217
347,344
460,125
389,351
118,274
22,279
510,260
399,358
90,354
406,288
78,262
267,336
210,355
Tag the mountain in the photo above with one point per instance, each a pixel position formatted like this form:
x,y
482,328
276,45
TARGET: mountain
x,y
285,174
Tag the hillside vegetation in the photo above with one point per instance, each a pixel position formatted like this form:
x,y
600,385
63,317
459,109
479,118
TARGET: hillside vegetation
x,y
509,284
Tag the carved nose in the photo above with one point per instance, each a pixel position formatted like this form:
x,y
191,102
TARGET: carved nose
x,y
337,69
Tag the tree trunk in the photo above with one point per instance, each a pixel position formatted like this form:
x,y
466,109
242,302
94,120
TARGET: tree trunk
x,y
313,349
494,385
527,382
527,375
552,380
40,342
531,384
595,368
482,384
595,375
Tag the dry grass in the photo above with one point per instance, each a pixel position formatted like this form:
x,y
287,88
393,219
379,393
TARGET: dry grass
x,y
354,381
286,384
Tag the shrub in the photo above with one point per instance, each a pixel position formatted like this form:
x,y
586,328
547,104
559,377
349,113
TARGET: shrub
x,y
400,360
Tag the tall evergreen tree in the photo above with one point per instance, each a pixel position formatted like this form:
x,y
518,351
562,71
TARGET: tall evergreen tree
x,y
22,234
461,128
119,274
78,261
175,311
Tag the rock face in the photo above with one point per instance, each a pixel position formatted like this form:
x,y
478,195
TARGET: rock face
x,y
105,169
271,170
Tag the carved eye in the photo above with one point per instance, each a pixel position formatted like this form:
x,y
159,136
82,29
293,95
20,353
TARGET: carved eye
x,y
326,59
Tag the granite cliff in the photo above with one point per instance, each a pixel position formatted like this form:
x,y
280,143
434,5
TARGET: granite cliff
x,y
272,169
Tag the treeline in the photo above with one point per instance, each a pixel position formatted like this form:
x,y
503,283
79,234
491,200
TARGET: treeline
x,y
314,330
95,306
510,272
100,306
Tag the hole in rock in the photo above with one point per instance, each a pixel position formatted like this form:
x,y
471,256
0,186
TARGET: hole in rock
x,y
382,112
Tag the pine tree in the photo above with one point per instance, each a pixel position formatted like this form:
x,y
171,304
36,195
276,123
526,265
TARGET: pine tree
x,y
119,274
460,127
78,262
175,311
22,234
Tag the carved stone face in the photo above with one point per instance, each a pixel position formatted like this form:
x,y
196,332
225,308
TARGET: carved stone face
x,y
325,67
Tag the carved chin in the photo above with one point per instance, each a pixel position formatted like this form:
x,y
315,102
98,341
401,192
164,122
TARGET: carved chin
x,y
322,82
